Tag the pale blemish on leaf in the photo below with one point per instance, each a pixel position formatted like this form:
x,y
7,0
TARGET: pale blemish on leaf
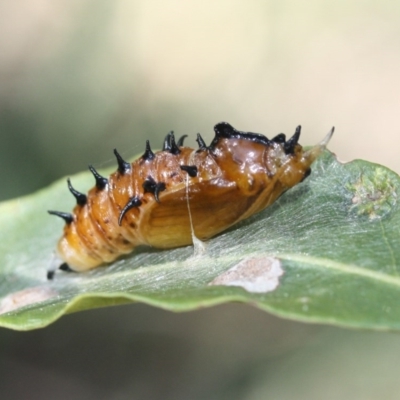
x,y
373,194
255,274
25,298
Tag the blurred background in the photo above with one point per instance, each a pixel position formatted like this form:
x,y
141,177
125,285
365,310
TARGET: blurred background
x,y
81,77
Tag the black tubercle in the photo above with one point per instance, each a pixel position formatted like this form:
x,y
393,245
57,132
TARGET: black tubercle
x,y
167,145
200,141
190,169
148,154
281,138
132,203
174,146
81,198
180,141
123,166
65,267
170,145
227,131
289,146
151,186
67,217
101,182
306,174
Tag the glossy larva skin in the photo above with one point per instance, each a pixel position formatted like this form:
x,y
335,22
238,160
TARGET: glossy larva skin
x,y
236,176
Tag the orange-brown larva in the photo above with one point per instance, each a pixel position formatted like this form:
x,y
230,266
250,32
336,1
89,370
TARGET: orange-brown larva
x,y
144,203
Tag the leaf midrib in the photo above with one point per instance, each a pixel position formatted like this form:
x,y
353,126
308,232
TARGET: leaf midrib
x,y
303,262
345,268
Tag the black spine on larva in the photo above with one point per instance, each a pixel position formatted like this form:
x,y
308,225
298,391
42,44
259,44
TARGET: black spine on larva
x,y
65,267
148,154
81,198
200,141
167,142
123,166
281,138
180,141
170,145
190,169
151,186
67,217
227,131
174,148
132,203
101,182
289,146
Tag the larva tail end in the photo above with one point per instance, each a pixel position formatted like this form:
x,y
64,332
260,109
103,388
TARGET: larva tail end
x,y
55,264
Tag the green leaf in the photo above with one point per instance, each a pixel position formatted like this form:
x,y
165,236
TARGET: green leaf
x,y
330,245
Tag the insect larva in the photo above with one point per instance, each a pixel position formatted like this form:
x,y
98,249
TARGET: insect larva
x,y
144,203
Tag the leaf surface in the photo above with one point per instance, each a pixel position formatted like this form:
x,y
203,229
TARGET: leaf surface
x,y
327,251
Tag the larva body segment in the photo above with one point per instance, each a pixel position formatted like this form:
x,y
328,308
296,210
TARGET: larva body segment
x,y
145,203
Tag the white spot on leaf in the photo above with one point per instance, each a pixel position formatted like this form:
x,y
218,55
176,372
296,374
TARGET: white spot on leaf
x,y
25,297
255,274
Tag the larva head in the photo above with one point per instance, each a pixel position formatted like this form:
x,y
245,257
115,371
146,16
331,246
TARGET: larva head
x,y
261,166
293,165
